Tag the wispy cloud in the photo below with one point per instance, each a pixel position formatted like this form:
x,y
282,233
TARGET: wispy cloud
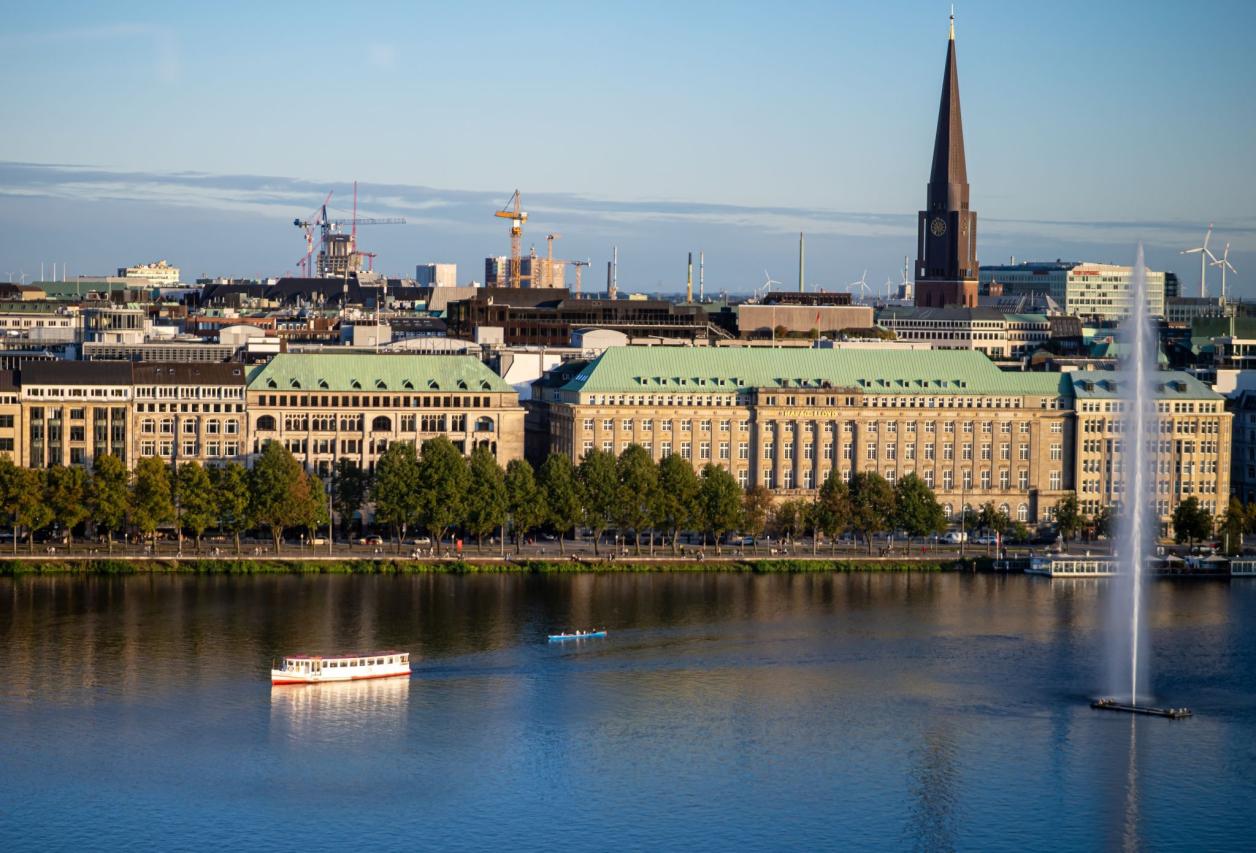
x,y
153,40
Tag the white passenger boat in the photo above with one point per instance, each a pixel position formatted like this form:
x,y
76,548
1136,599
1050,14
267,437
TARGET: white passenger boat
x,y
1065,566
1243,568
315,669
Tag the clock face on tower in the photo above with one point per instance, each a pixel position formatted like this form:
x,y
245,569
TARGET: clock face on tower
x,y
937,226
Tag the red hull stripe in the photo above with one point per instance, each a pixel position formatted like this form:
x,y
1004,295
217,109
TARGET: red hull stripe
x,y
338,680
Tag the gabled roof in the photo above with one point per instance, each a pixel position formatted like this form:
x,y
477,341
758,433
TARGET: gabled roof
x,y
721,370
1169,385
375,373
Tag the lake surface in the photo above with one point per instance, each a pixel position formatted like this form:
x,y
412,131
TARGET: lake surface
x,y
722,712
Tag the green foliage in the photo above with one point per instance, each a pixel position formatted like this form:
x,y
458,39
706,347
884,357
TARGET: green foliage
x,y
65,491
350,487
232,499
676,496
32,515
638,491
1191,521
1068,517
789,518
872,505
756,506
108,498
198,506
599,486
719,502
916,508
442,486
486,495
831,512
152,501
275,485
1232,525
395,489
562,495
524,501
311,500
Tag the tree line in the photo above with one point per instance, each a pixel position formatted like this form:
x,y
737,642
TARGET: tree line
x,y
437,490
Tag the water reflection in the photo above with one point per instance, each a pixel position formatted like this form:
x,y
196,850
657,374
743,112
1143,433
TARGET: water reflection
x,y
347,709
934,791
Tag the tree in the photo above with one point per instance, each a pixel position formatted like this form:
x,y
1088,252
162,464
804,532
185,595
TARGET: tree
x,y
274,487
65,490
311,501
108,499
1232,525
11,494
396,489
232,499
719,502
789,518
152,500
524,501
756,505
33,513
486,496
872,505
676,496
1102,521
916,508
350,487
562,495
198,505
638,488
599,487
831,512
1068,518
442,481
1191,521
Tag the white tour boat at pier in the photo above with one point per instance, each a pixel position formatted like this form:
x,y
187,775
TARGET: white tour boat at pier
x,y
316,669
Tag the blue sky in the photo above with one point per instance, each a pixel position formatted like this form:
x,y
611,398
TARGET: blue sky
x,y
661,127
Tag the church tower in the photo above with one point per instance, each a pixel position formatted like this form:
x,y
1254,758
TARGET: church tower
x,y
946,253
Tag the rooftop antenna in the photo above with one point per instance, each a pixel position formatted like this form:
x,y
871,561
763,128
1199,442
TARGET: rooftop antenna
x,y
1224,263
952,22
802,264
1204,254
701,280
613,290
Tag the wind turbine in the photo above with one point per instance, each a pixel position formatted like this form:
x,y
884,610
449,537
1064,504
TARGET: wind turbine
x,y
1224,263
1204,254
862,284
768,282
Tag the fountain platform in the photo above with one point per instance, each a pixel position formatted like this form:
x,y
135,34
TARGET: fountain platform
x,y
1113,705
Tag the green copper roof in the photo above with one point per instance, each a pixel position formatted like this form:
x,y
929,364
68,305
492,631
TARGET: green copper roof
x,y
715,370
1170,385
369,372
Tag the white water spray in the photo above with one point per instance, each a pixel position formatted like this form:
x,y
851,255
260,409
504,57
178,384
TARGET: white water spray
x,y
1137,518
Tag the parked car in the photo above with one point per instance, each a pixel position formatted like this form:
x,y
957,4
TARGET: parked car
x,y
371,540
955,537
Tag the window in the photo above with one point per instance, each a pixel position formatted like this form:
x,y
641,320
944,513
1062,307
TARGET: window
x,y
743,450
1057,453
1024,452
985,481
704,450
1004,480
608,447
1022,480
686,450
724,450
1055,480
588,423
1022,513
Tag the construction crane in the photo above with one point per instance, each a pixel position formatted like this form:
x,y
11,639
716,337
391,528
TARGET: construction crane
x,y
549,258
578,265
514,212
339,253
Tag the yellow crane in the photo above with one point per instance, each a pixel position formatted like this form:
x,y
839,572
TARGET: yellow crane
x,y
514,212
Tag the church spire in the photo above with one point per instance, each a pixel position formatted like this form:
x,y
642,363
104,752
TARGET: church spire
x,y
946,265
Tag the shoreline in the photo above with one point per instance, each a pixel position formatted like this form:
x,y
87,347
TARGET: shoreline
x,y
104,565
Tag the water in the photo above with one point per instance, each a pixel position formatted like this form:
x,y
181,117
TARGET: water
x,y
1137,515
723,712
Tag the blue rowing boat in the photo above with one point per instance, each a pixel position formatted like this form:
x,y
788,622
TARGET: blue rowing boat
x,y
577,635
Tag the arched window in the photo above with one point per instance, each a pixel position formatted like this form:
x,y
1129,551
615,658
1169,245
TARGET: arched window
x,y
484,424
948,510
266,422
1022,513
381,424
1005,509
